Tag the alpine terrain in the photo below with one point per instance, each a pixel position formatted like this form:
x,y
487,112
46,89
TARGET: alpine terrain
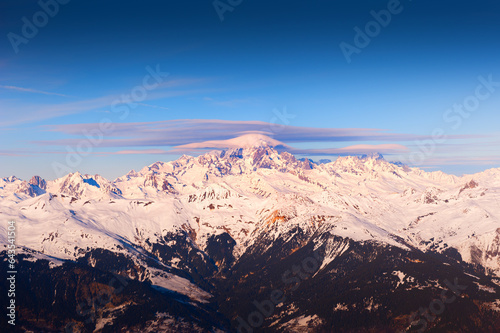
x,y
253,239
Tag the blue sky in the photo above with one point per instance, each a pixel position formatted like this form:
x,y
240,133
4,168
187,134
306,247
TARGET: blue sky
x,y
264,59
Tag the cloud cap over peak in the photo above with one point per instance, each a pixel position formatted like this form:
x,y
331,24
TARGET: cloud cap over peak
x,y
242,141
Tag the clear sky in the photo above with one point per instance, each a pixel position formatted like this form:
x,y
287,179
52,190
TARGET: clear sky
x,y
327,78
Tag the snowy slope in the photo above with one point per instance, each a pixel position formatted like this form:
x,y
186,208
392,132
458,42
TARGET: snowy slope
x,y
257,192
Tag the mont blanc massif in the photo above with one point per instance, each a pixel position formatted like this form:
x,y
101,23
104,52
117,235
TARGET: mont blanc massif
x,y
253,239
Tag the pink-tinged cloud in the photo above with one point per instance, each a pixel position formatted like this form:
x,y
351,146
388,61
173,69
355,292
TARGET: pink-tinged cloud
x,y
354,150
139,152
188,131
12,153
243,141
251,140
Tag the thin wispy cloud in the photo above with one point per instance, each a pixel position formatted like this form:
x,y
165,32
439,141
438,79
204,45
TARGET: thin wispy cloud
x,y
152,106
227,103
139,152
28,114
195,136
463,160
11,153
185,131
252,139
34,91
354,150
189,131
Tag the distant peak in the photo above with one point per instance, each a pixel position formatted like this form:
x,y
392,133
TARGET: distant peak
x,y
11,179
38,181
156,165
373,156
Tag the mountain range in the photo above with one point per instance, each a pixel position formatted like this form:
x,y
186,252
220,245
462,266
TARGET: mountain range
x,y
253,239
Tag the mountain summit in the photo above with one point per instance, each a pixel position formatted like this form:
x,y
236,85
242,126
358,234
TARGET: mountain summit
x,y
206,238
375,156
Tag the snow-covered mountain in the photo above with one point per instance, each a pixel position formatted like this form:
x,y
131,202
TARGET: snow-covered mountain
x,y
187,225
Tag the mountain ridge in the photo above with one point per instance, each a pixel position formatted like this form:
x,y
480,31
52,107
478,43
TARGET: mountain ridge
x,y
260,156
189,225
